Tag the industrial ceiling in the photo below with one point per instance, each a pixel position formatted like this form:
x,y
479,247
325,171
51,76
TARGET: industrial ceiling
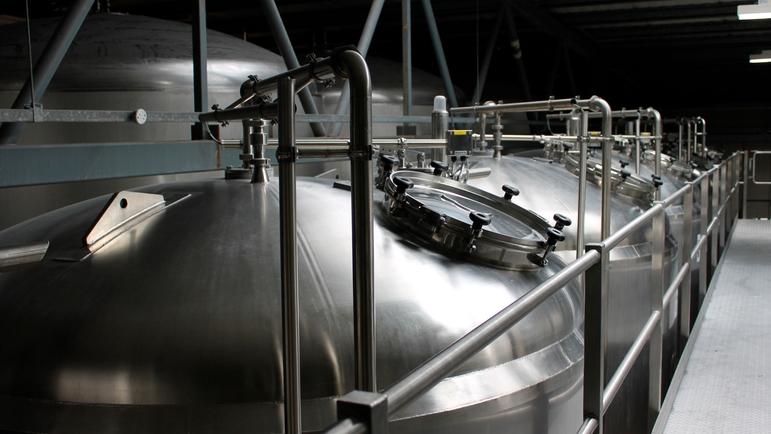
x,y
683,57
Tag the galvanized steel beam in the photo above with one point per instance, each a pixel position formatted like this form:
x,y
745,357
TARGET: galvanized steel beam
x,y
48,164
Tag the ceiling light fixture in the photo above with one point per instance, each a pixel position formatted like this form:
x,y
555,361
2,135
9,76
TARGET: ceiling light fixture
x,y
763,57
760,11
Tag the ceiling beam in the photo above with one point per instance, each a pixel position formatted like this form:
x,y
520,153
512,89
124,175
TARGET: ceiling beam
x,y
545,22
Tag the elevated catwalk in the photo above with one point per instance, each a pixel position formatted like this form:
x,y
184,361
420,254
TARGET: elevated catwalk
x,y
726,383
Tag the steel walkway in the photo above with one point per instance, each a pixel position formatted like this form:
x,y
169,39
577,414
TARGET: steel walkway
x,y
726,382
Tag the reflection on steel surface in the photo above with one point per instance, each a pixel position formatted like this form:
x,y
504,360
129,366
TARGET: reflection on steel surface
x,y
177,321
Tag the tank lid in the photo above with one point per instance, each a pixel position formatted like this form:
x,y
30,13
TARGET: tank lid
x,y
622,182
461,220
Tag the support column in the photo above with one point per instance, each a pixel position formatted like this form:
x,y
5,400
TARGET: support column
x,y
287,52
46,66
439,51
366,38
488,56
407,59
200,77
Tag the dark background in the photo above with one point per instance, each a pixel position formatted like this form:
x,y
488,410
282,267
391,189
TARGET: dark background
x,y
682,57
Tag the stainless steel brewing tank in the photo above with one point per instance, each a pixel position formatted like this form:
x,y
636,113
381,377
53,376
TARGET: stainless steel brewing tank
x,y
126,62
547,188
176,323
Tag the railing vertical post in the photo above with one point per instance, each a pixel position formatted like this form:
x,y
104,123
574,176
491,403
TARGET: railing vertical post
x,y
286,156
723,196
714,217
745,180
595,311
685,287
706,216
657,299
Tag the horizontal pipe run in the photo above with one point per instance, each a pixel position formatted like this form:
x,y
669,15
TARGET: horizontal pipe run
x,y
347,426
589,426
623,113
237,114
334,142
619,236
533,106
323,153
684,270
614,385
319,70
446,362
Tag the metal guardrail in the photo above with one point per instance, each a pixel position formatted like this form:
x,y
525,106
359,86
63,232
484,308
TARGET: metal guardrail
x,y
364,412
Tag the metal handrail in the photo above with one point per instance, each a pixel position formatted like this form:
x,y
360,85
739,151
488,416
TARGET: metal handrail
x,y
611,389
438,367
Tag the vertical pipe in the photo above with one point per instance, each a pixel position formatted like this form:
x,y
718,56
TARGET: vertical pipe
x,y
363,217
46,66
598,104
595,298
364,41
581,224
439,124
637,144
680,141
700,120
488,55
439,51
406,59
290,305
290,58
657,297
657,132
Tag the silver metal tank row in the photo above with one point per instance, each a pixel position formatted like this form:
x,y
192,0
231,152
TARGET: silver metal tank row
x,y
548,188
160,310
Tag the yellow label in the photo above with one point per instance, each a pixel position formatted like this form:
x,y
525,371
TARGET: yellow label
x,y
459,132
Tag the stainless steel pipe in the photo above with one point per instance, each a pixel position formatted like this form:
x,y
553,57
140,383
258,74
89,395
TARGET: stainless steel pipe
x,y
249,112
290,305
353,65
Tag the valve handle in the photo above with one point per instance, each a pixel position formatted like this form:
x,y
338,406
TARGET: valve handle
x,y
656,177
439,167
625,163
479,219
509,191
402,184
657,183
554,235
389,161
562,221
625,174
